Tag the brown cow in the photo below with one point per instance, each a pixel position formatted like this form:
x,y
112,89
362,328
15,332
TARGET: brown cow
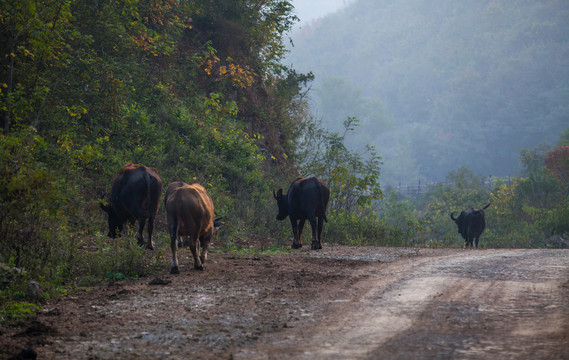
x,y
135,195
190,213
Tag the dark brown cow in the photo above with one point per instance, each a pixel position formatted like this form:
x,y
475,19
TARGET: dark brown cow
x,y
135,195
190,213
307,198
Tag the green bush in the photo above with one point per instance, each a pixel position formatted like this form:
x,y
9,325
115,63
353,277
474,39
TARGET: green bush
x,y
116,259
31,201
349,228
399,216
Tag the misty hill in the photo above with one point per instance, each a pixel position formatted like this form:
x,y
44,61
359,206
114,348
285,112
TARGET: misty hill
x,y
440,85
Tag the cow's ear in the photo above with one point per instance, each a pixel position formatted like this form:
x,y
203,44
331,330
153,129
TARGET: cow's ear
x,y
280,193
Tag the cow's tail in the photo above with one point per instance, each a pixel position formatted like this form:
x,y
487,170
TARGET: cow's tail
x,y
148,197
324,205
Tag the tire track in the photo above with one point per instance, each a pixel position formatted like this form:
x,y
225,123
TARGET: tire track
x,y
467,304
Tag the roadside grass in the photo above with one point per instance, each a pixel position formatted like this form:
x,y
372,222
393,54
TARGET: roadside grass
x,y
97,259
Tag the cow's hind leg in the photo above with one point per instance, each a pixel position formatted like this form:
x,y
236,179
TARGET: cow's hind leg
x,y
194,246
205,240
296,244
174,246
301,223
320,227
149,244
315,244
139,235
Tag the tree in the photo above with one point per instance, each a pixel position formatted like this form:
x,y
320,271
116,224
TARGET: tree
x,y
557,162
35,53
353,179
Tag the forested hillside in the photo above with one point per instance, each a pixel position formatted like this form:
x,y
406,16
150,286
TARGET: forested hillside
x,y
441,85
195,89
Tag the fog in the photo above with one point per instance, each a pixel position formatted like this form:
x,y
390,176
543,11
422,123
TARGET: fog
x,y
309,10
439,86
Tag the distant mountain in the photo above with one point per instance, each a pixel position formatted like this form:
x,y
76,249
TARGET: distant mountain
x,y
440,85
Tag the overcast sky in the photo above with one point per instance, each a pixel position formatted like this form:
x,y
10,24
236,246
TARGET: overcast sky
x,y
308,10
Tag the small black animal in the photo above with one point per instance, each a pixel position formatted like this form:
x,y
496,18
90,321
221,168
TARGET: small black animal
x,y
471,224
307,198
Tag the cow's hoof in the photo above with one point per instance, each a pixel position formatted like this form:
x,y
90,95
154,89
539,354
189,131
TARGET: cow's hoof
x,y
174,270
296,246
316,246
200,267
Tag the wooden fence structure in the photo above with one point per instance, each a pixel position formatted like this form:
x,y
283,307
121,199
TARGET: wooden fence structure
x,y
413,190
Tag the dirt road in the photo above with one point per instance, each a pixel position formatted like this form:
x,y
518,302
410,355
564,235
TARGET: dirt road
x,y
337,303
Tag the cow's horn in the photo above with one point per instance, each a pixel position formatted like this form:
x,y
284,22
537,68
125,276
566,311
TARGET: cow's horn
x,y
275,194
217,223
487,205
451,216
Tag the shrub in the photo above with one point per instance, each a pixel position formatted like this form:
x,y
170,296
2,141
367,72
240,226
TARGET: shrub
x,y
350,228
117,259
31,224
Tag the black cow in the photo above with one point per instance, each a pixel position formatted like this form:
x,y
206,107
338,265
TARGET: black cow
x,y
135,195
307,198
471,224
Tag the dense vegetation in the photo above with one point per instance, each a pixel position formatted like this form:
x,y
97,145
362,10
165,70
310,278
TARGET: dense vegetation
x,y
197,90
445,85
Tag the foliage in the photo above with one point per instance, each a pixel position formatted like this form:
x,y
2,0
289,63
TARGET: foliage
x,y
525,211
463,190
538,187
31,204
116,259
399,216
557,162
353,179
349,228
195,89
564,138
14,311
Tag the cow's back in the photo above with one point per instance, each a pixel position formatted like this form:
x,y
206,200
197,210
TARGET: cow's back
x,y
192,207
477,222
136,189
306,195
173,186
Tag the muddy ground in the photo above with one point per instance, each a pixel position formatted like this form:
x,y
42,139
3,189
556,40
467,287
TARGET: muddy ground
x,y
336,303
